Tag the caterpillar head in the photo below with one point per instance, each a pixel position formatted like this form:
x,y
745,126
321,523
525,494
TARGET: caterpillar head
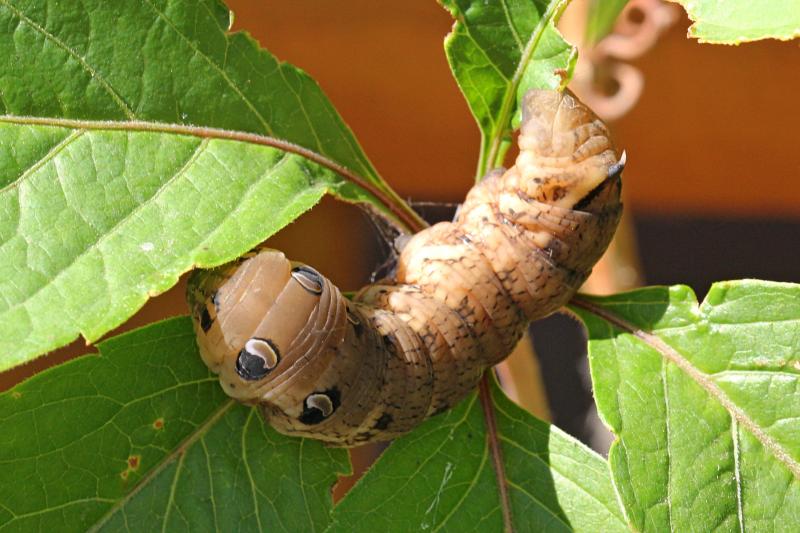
x,y
566,155
256,319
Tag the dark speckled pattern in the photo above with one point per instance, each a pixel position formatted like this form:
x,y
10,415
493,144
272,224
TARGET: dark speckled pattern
x,y
351,372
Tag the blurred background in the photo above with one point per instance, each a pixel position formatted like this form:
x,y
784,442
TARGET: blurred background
x,y
711,187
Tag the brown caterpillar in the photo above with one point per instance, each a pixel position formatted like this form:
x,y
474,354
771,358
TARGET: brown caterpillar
x,y
282,336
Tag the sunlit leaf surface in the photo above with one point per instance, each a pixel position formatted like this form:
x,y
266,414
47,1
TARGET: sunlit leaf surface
x,y
104,199
704,400
140,437
738,21
441,478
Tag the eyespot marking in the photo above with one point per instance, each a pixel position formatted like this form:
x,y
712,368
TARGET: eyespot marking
x,y
205,320
499,213
383,422
308,278
320,405
257,359
354,319
389,341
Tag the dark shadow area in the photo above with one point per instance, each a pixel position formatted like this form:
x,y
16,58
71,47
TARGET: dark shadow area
x,y
560,343
698,251
694,251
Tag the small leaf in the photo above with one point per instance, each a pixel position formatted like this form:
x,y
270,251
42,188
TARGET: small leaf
x,y
137,141
738,21
601,18
441,477
499,50
704,401
141,437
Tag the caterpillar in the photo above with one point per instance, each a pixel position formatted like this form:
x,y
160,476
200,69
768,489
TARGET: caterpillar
x,y
283,337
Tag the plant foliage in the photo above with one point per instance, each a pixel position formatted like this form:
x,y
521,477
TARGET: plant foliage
x,y
140,139
704,400
104,130
738,21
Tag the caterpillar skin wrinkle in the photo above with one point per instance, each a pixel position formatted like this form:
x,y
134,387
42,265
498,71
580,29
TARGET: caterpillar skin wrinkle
x,y
281,336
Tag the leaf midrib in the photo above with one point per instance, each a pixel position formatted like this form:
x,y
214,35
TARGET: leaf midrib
x,y
383,195
193,437
704,380
128,112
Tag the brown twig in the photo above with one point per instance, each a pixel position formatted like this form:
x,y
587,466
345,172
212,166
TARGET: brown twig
x,y
407,216
485,395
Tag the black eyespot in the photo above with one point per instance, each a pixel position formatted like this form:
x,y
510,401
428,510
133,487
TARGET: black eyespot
x,y
383,422
320,405
353,318
308,278
257,359
389,341
205,320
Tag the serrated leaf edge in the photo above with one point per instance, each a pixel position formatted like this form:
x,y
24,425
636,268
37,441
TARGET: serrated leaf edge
x,y
701,378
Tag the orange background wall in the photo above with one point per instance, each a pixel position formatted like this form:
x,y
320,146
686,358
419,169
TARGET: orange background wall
x,y
715,131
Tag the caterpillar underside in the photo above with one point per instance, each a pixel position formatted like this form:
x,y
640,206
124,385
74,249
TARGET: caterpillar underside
x,y
282,336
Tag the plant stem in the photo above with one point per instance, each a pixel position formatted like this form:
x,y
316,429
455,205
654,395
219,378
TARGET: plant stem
x,y
485,395
399,209
496,151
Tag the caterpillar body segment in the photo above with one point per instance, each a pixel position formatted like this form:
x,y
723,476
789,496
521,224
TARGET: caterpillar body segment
x,y
282,336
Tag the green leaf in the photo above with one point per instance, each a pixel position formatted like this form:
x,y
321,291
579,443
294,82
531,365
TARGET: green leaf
x,y
601,18
141,437
138,140
738,21
499,50
441,477
161,61
704,401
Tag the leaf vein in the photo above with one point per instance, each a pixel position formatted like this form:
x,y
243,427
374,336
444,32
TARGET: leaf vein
x,y
137,210
215,66
94,74
668,429
247,469
172,487
471,485
511,26
539,504
196,434
704,380
54,151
